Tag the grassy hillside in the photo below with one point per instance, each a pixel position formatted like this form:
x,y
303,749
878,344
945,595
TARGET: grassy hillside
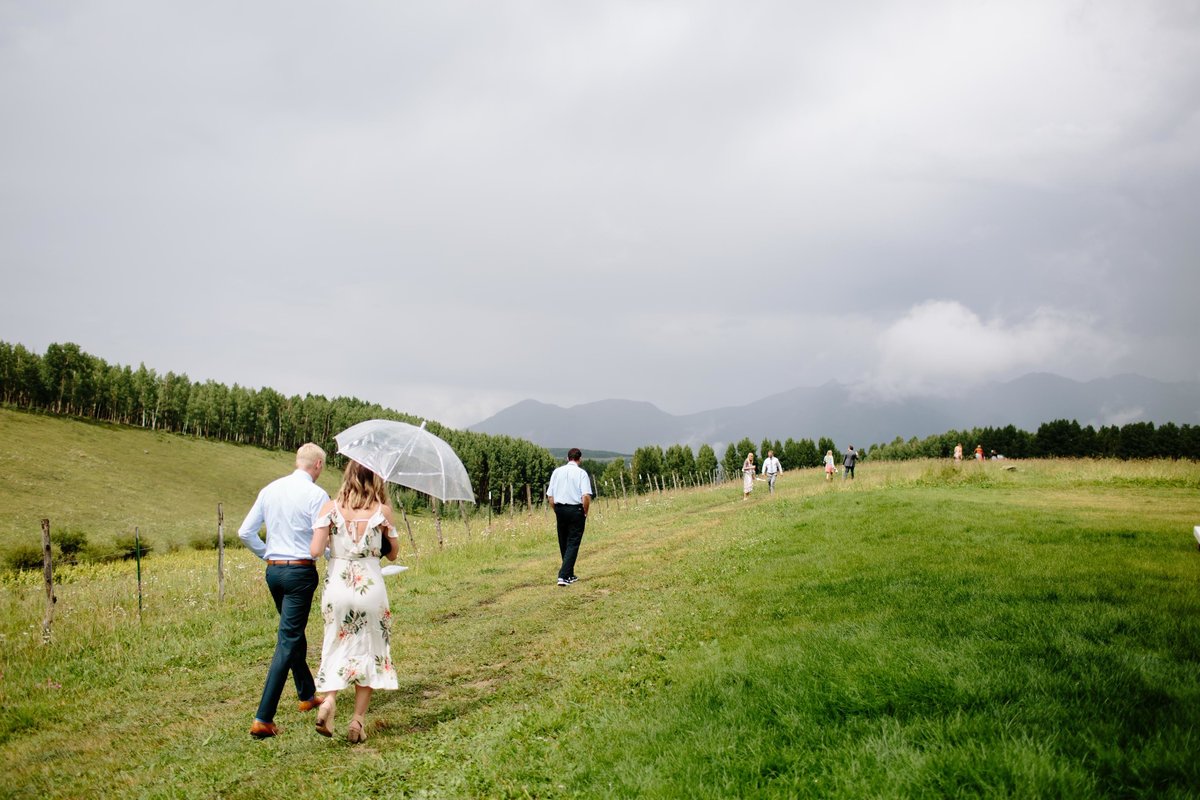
x,y
923,631
105,479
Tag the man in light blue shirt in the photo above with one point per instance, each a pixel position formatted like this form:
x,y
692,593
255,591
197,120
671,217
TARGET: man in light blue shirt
x,y
570,493
288,506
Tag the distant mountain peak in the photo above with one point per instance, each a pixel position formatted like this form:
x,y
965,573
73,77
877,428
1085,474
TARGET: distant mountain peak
x,y
834,410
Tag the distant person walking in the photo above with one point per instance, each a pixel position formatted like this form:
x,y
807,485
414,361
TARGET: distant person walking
x,y
848,462
288,506
979,452
772,469
570,494
958,453
829,467
748,470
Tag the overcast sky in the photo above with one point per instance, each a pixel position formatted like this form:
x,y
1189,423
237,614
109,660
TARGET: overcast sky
x,y
449,207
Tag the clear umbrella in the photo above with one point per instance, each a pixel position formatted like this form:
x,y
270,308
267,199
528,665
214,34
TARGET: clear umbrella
x,y
408,455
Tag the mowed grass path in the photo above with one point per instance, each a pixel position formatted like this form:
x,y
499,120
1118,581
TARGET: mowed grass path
x,y
922,632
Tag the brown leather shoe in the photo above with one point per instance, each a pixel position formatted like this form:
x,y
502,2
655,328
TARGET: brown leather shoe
x,y
263,730
309,705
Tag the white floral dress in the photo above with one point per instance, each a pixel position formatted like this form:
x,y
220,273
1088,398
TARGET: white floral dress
x,y
354,604
748,470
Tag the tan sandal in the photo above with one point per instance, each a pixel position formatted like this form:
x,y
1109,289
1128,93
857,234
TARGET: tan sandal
x,y
325,714
355,733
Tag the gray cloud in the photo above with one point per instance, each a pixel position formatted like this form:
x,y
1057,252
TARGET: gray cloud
x,y
446,209
943,348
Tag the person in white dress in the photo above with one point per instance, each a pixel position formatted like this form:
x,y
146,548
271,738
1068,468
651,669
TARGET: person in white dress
x,y
354,604
748,470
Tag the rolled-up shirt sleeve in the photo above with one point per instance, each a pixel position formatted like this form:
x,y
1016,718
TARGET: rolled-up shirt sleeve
x,y
248,533
316,503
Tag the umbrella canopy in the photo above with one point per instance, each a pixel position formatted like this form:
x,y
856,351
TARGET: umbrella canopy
x,y
408,455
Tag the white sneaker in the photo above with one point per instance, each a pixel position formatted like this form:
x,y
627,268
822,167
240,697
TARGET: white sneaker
x,y
563,582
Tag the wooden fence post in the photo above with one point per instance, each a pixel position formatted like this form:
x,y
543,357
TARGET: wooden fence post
x,y
408,525
220,553
529,498
512,502
624,494
137,548
48,573
437,521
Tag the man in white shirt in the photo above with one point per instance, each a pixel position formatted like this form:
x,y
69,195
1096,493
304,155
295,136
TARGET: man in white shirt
x,y
288,507
570,494
772,468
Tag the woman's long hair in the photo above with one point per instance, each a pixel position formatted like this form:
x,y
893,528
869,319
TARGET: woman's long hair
x,y
361,488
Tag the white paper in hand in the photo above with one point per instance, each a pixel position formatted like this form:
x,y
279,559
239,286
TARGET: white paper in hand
x,y
393,569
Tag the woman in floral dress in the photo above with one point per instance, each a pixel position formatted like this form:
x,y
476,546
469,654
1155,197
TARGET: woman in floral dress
x,y
354,603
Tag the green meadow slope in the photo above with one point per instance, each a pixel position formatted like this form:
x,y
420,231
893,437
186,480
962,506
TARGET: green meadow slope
x,y
105,479
924,631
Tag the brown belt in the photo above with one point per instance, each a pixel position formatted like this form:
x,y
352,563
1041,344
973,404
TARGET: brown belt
x,y
308,562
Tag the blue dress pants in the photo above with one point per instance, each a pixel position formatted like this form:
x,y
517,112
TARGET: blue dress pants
x,y
292,587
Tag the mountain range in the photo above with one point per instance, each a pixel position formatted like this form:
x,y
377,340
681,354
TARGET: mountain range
x,y
848,417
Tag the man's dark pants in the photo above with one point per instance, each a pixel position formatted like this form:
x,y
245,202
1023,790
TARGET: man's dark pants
x,y
571,521
292,587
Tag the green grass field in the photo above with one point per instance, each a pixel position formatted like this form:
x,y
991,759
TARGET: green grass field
x,y
922,632
104,479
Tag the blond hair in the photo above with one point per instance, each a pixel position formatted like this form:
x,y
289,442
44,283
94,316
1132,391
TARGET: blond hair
x,y
361,488
309,455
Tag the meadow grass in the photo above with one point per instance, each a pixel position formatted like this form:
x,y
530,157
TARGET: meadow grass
x,y
925,631
105,479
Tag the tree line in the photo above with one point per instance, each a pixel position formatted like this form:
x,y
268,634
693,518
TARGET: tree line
x,y
652,467
65,380
1060,438
68,381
